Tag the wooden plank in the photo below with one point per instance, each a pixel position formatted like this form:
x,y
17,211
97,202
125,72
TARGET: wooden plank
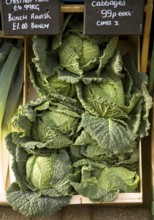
x,y
146,36
152,158
25,87
12,37
68,8
151,72
121,199
27,57
3,200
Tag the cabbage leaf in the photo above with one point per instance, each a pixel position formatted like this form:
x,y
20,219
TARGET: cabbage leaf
x,y
112,135
32,204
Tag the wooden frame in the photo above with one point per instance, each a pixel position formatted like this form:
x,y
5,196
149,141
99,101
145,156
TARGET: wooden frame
x,y
146,36
142,60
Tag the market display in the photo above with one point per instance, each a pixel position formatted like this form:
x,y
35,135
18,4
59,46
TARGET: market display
x,y
81,135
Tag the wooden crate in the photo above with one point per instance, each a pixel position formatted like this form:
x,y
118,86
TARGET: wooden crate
x,y
126,44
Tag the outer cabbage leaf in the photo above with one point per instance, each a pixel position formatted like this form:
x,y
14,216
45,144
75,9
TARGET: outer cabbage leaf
x,y
44,61
61,174
69,77
115,65
111,135
145,124
86,147
20,156
51,140
57,39
120,178
33,204
107,98
107,53
94,192
51,122
47,85
140,82
104,184
89,163
88,186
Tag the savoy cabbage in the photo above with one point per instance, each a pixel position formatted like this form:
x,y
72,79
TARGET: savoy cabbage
x,y
81,135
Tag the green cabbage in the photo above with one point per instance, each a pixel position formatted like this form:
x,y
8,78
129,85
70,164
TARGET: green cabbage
x,y
43,70
109,90
38,185
39,171
104,183
81,135
71,56
78,54
47,123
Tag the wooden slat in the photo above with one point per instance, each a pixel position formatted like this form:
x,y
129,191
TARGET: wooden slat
x,y
3,200
25,90
146,36
2,35
121,199
69,8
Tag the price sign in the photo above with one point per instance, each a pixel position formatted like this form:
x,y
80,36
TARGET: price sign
x,y
113,17
30,17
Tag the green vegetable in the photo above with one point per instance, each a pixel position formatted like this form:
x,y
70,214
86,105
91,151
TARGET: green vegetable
x,y
10,89
6,76
39,171
112,135
109,90
38,179
43,71
5,50
104,184
68,58
81,135
47,123
78,54
32,204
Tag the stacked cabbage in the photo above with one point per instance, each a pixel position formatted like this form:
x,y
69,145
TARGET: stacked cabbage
x,y
81,135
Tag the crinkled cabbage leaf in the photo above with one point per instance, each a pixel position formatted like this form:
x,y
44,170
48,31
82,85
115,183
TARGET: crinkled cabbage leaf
x,y
47,123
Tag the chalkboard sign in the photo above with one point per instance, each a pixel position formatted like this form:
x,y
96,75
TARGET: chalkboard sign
x,y
113,17
30,17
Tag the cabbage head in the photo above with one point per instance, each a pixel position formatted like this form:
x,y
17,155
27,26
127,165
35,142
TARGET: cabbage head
x,y
79,54
109,90
46,85
38,185
63,119
55,85
39,171
104,98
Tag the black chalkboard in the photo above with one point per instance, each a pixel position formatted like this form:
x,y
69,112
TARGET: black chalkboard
x,y
122,17
30,17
